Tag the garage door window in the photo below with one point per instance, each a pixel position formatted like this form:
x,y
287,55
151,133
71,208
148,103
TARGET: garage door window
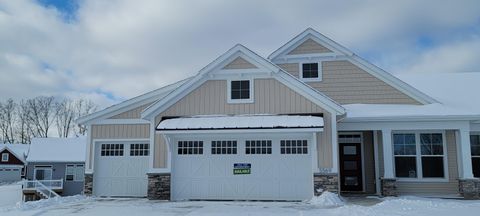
x,y
224,147
112,150
258,147
139,149
190,147
293,147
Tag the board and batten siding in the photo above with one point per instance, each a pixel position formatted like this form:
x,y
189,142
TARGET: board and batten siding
x,y
134,113
430,187
309,46
270,97
346,83
117,131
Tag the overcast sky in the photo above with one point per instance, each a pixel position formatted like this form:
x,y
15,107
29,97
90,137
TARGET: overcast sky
x,y
112,50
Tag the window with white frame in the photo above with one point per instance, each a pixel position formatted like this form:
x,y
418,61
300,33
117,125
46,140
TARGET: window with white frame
x,y
419,155
75,172
5,157
258,147
112,150
190,147
475,150
224,147
139,149
293,147
240,91
311,71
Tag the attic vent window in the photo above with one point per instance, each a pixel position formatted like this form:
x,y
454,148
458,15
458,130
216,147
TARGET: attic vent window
x,y
240,91
5,157
311,71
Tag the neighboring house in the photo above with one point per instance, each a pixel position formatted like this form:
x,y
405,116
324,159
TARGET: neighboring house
x,y
58,164
12,162
313,116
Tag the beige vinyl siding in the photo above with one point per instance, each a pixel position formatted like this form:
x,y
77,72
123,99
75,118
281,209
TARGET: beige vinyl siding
x,y
369,162
324,144
437,188
346,83
308,47
239,63
134,113
270,96
120,131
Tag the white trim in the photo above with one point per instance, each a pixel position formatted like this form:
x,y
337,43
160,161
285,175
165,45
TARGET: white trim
x,y
251,92
42,167
418,157
410,118
89,160
465,168
388,169
403,125
294,83
335,151
119,121
7,157
236,131
377,162
320,71
341,50
315,168
11,151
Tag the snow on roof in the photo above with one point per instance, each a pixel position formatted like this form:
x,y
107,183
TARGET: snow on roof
x,y
57,150
241,122
18,149
457,93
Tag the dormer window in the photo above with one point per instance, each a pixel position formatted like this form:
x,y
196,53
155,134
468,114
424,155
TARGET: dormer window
x,y
4,157
311,72
240,91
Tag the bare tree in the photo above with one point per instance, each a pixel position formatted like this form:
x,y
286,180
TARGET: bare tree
x,y
64,116
41,115
24,127
7,120
83,107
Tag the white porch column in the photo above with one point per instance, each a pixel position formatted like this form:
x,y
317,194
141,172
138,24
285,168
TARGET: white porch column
x,y
335,151
465,170
387,153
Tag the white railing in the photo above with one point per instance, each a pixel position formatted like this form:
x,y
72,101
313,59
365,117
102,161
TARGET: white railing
x,y
44,187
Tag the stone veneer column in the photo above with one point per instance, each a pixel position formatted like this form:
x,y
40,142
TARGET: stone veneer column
x,y
325,182
158,186
88,185
469,188
389,187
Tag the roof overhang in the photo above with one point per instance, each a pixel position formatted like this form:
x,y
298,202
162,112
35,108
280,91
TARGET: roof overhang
x,y
240,124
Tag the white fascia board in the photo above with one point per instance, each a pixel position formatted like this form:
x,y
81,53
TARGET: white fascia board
x,y
128,104
403,125
119,121
310,93
49,161
412,118
240,131
314,35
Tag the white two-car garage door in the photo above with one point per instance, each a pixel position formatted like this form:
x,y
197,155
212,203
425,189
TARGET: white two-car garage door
x,y
229,168
121,169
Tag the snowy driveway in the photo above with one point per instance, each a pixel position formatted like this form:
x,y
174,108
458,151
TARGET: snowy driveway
x,y
116,207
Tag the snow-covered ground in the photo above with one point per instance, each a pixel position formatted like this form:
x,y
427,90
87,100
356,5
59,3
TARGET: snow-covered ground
x,y
325,205
10,194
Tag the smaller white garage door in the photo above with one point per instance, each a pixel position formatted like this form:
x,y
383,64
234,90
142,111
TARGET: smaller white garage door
x,y
121,169
9,174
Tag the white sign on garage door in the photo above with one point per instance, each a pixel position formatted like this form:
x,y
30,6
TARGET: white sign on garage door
x,y
121,169
269,168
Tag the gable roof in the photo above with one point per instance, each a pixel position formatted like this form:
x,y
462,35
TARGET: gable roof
x,y
57,150
262,63
19,150
339,50
143,99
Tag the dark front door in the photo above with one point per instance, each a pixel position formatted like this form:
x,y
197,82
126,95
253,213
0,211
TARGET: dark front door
x,y
351,167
